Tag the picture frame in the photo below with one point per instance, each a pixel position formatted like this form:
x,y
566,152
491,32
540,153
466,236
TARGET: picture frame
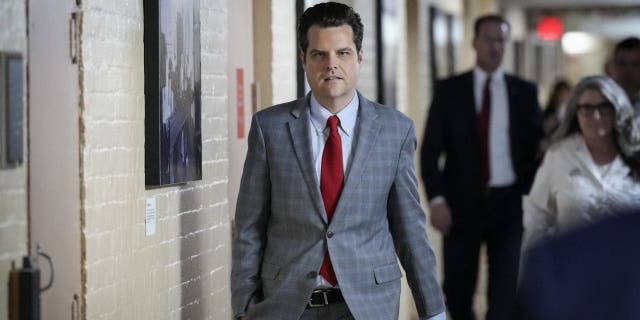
x,y
387,47
441,43
11,109
172,86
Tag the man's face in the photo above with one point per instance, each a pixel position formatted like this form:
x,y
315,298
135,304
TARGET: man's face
x,y
627,71
332,64
489,45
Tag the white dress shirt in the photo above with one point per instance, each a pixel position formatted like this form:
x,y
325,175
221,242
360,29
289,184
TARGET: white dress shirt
x,y
502,173
320,133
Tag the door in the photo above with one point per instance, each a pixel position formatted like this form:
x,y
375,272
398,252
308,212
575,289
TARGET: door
x,y
241,101
53,187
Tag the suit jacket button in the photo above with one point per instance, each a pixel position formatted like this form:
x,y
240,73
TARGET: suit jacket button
x,y
312,275
329,234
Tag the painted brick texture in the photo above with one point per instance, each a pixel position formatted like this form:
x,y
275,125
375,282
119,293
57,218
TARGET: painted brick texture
x,y
182,271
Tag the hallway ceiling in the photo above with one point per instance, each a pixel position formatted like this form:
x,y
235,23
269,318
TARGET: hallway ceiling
x,y
610,19
572,3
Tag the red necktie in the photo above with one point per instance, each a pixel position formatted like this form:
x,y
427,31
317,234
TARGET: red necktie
x,y
331,182
485,115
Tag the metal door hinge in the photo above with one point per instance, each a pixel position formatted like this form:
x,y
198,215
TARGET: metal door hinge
x,y
75,307
74,36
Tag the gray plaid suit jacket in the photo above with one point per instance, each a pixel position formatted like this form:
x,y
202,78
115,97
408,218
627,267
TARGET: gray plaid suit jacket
x,y
281,225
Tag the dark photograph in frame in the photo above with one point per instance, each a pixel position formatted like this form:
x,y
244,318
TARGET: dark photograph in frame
x,y
441,43
387,26
173,138
11,109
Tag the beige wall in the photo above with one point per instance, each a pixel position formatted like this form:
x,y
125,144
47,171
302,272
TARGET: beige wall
x,y
275,51
182,271
283,77
13,182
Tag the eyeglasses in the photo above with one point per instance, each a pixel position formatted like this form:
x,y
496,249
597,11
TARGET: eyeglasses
x,y
605,109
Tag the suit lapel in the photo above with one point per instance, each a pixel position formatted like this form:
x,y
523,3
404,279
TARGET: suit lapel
x,y
470,98
367,132
512,93
469,103
299,132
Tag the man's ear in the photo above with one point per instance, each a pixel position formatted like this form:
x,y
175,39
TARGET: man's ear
x,y
302,58
360,57
474,43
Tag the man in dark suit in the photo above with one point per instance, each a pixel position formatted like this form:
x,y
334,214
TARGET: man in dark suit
x,y
486,126
591,273
328,201
626,68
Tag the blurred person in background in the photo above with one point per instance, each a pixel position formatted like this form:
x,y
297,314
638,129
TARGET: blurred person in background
x,y
592,169
590,273
626,68
556,106
555,110
487,127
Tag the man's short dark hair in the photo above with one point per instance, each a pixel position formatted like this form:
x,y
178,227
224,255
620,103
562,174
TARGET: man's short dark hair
x,y
329,14
488,18
630,43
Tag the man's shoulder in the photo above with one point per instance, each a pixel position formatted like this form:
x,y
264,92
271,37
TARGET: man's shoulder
x,y
384,111
456,79
280,109
515,80
620,229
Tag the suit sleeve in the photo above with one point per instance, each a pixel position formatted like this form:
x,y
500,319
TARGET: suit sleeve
x,y
433,146
407,222
534,134
252,214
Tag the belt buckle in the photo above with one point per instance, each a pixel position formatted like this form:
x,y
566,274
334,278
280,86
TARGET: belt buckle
x,y
324,295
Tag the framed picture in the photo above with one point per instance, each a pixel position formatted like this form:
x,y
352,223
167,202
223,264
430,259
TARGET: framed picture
x,y
173,138
302,86
387,50
441,43
11,109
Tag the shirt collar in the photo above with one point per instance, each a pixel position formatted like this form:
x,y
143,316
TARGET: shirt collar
x,y
480,75
347,115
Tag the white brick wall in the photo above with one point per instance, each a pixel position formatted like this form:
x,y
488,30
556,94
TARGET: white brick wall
x,y
368,79
285,45
13,182
183,270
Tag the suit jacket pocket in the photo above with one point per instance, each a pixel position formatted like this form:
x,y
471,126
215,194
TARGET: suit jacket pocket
x,y
387,273
269,271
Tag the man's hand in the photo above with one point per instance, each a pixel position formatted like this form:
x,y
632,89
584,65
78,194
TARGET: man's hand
x,y
440,217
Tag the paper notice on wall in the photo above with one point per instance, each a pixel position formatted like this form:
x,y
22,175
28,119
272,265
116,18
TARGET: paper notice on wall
x,y
150,217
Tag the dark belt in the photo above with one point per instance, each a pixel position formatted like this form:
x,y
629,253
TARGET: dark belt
x,y
498,190
324,297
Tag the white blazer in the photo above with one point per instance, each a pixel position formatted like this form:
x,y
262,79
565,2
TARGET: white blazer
x,y
570,190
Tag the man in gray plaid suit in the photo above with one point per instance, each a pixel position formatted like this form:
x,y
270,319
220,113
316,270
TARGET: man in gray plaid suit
x,y
309,245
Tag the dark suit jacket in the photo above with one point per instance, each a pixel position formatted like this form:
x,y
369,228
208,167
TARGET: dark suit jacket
x,y
592,273
452,131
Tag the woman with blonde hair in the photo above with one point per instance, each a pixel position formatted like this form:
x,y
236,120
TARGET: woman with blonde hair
x,y
592,169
